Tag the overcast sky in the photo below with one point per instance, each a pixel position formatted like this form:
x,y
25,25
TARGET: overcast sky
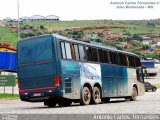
x,y
76,9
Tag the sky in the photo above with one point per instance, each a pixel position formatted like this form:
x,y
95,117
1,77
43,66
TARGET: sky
x,y
77,9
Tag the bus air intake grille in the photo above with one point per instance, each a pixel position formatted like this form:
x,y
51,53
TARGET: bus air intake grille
x,y
68,85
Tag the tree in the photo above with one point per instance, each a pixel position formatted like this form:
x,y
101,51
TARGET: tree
x,y
137,37
41,27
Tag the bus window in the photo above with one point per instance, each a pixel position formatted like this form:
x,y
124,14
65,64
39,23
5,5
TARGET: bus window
x,y
63,50
82,53
68,51
89,53
131,61
113,57
101,56
106,57
73,52
137,62
122,59
76,52
94,54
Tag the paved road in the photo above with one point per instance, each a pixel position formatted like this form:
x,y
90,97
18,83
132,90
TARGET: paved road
x,y
149,103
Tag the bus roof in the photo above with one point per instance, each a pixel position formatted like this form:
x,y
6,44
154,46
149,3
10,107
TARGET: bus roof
x,y
80,42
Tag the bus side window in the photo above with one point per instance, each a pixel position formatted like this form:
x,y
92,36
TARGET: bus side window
x,y
76,52
94,54
68,51
122,59
131,61
82,53
63,50
137,62
113,57
101,56
106,57
89,53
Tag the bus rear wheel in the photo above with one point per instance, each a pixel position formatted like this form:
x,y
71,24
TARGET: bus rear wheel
x,y
134,95
86,96
50,103
96,95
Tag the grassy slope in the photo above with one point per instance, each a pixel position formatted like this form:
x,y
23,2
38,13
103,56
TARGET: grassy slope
x,y
6,35
133,27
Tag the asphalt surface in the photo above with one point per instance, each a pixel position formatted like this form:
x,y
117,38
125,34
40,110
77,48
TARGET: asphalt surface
x,y
148,103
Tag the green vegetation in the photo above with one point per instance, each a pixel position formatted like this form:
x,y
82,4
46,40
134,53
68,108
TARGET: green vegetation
x,y
158,85
6,35
131,30
150,55
8,95
133,27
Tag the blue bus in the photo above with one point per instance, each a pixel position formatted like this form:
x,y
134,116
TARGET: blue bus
x,y
57,70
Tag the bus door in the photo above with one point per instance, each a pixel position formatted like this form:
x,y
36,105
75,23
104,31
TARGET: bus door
x,y
140,75
140,79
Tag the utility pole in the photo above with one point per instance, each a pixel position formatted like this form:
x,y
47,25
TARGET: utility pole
x,y
18,20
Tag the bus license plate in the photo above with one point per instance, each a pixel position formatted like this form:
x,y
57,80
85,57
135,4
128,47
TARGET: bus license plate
x,y
37,94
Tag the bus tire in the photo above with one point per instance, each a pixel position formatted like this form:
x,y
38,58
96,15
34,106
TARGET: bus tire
x,y
50,103
96,95
134,95
86,96
64,102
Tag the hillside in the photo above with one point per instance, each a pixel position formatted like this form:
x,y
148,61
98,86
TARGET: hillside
x,y
88,30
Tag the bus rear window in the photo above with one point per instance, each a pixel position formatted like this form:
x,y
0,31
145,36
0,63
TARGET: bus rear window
x,y
35,50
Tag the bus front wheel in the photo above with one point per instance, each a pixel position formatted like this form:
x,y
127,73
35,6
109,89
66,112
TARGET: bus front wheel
x,y
134,95
86,96
96,95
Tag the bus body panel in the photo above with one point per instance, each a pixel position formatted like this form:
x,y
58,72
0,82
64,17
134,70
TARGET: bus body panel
x,y
115,81
70,79
37,67
133,81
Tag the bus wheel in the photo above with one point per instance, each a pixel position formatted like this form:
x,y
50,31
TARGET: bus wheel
x,y
64,102
96,95
50,103
86,96
134,94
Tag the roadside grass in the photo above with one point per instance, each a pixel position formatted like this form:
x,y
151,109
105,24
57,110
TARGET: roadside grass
x,y
8,95
158,85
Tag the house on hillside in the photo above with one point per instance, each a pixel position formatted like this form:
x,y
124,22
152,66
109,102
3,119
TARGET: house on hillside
x,y
107,35
7,47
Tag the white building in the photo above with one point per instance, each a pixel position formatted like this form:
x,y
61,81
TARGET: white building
x,y
51,17
24,18
37,17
